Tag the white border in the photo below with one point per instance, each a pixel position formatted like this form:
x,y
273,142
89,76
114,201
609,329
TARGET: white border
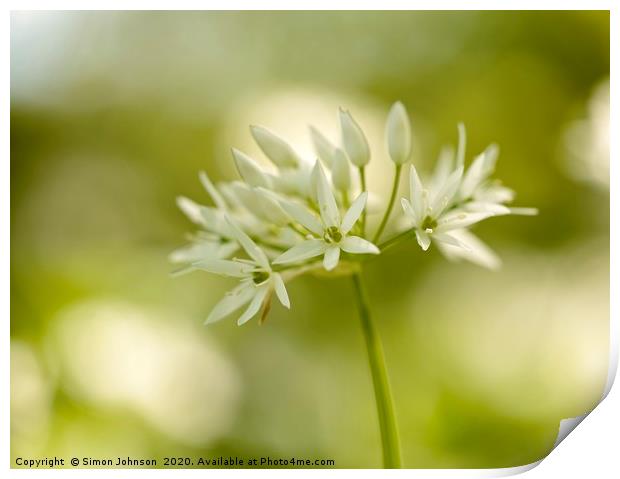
x,y
593,450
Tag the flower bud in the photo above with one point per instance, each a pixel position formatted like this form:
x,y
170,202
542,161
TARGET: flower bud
x,y
259,204
249,170
272,211
398,134
341,171
276,149
322,146
353,140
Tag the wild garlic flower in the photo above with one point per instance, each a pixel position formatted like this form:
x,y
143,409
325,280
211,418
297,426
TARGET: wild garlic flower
x,y
257,281
455,200
329,235
286,214
429,208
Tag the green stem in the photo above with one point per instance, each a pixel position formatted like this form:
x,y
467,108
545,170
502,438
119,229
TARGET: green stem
x,y
396,239
388,211
363,186
345,200
383,395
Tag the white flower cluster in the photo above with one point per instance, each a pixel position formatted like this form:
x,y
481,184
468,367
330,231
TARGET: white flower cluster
x,y
287,218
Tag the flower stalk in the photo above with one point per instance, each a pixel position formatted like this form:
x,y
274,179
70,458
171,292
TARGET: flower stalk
x,y
383,395
390,206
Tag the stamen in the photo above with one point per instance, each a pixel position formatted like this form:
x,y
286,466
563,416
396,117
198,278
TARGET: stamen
x,y
332,235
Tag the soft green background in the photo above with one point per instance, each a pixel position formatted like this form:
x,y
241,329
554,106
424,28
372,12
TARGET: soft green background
x,y
113,114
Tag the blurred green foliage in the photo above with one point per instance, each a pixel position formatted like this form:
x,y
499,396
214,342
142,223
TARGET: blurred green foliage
x,y
112,116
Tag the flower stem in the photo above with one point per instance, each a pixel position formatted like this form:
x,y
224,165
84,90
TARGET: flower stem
x,y
386,216
363,186
396,239
383,394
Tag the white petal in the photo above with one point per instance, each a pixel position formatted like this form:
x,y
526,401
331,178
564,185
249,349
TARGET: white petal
x,y
353,213
232,301
212,190
322,146
473,177
353,140
223,267
490,159
182,271
460,151
302,215
278,285
249,170
398,134
257,301
305,250
478,172
249,246
423,238
214,220
481,206
191,209
416,196
443,167
229,195
459,219
203,250
247,198
275,148
478,252
494,194
256,202
330,260
293,182
314,181
357,245
327,203
270,208
442,198
341,171
447,238
524,211
410,211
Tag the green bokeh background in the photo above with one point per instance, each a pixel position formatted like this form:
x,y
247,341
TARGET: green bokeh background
x,y
112,116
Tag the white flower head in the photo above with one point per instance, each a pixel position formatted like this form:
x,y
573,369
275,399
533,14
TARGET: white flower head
x,y
329,234
290,213
258,281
